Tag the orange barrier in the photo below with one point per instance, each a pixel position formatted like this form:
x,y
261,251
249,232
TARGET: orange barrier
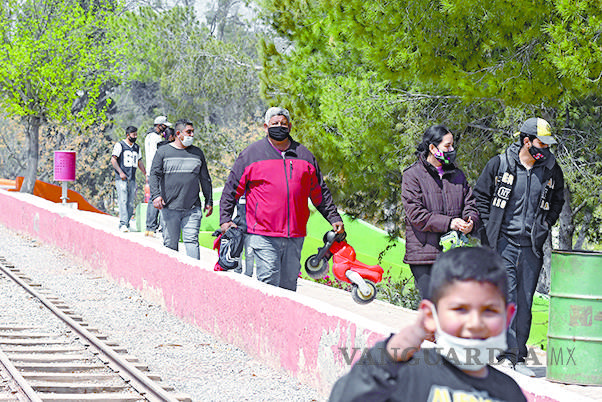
x,y
11,184
52,192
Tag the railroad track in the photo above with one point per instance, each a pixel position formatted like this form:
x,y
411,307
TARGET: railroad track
x,y
10,391
75,364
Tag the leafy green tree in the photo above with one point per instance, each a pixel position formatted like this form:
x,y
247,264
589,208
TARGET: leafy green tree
x,y
365,78
176,66
580,153
196,73
575,48
55,56
225,21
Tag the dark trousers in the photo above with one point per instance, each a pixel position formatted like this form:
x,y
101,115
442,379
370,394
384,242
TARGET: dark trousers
x,y
422,279
522,267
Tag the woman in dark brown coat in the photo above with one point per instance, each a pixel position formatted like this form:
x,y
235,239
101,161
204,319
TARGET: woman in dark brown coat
x,y
437,199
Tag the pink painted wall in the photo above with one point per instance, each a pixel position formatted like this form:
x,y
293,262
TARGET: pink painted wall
x,y
282,331
537,398
279,327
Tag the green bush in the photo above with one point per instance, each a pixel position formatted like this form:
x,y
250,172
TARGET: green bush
x,y
399,292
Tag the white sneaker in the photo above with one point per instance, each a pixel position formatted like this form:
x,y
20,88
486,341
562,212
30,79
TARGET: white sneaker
x,y
506,364
124,228
522,368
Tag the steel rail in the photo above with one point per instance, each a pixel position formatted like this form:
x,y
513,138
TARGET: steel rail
x,y
18,378
136,378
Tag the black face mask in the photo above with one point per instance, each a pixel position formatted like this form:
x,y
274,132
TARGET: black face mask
x,y
132,140
278,133
539,154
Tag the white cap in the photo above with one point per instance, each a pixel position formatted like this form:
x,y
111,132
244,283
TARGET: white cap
x,y
162,120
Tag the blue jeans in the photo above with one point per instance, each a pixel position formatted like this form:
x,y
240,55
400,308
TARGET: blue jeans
x,y
277,259
245,264
152,217
126,194
523,268
186,221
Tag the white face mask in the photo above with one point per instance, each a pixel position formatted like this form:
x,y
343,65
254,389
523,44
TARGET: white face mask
x,y
468,354
187,140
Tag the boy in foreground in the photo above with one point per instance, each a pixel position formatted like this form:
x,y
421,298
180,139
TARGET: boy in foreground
x,y
468,314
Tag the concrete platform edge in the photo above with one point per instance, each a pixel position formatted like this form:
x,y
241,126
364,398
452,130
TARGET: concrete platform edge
x,y
282,328
285,329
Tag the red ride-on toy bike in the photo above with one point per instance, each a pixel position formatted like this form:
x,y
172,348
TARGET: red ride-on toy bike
x,y
346,268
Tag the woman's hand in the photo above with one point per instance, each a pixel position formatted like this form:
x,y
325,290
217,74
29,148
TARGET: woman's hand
x,y
461,225
469,226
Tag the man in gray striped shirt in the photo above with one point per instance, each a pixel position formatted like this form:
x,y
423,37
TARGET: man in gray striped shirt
x,y
178,174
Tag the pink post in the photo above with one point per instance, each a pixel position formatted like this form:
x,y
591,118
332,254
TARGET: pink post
x,y
64,170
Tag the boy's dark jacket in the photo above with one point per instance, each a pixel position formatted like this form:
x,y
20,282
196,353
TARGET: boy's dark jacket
x,y
489,185
430,204
425,377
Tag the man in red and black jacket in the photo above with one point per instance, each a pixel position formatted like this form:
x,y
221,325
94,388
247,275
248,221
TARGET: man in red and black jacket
x,y
277,175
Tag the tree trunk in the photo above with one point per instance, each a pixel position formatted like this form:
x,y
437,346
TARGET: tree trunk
x,y
566,223
32,132
565,241
543,284
582,235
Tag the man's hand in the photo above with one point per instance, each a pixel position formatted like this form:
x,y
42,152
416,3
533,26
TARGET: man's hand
x,y
226,226
123,176
338,227
158,202
208,209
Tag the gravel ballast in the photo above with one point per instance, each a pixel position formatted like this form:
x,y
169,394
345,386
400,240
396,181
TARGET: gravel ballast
x,y
185,357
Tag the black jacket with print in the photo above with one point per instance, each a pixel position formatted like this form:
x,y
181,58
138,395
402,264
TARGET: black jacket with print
x,y
491,187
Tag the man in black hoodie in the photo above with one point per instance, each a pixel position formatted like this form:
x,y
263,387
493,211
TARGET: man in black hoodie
x,y
519,197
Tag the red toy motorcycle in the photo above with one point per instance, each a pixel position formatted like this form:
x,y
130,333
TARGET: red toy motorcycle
x,y
346,268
